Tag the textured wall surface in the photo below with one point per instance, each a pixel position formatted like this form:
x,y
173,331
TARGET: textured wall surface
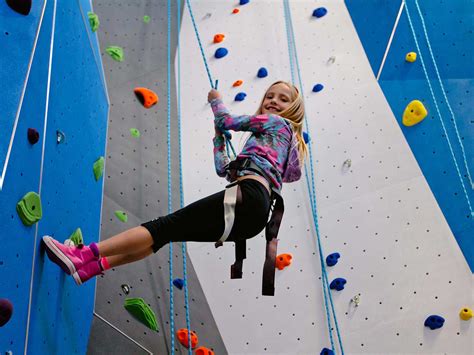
x,y
64,91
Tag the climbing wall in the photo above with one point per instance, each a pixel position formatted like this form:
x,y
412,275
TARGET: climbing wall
x,y
48,62
398,253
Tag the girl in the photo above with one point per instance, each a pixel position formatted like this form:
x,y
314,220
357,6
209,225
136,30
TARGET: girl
x,y
273,154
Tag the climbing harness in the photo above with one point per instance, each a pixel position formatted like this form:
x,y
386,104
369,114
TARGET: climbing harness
x,y
232,197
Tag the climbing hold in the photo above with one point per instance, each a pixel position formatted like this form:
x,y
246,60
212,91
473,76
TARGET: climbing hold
x,y
283,260
125,288
235,11
434,322
306,137
33,136
356,300
182,335
135,132
76,237
179,283
93,21
338,284
466,313
221,52
29,208
203,351
237,83
218,38
115,52
207,15
146,18
347,163
6,311
142,312
331,59
21,6
332,259
147,97
318,87
240,96
326,351
243,2
414,113
60,137
320,12
410,57
122,216
262,73
98,168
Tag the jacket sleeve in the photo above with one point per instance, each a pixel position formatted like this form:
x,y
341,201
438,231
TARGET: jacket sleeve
x,y
292,171
221,159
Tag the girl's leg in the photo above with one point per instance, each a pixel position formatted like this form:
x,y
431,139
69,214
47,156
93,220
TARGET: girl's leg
x,y
122,259
133,241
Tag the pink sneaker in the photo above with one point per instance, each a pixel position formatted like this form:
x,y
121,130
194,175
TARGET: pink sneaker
x,y
88,271
70,259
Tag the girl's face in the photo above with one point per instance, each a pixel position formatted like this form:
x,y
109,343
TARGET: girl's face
x,y
277,99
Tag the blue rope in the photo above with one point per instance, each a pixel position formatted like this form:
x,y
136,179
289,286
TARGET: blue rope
x,y
169,178
181,192
325,281
435,101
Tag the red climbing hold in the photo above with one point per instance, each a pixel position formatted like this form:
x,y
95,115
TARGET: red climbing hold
x,y
237,83
283,260
6,310
218,38
203,351
147,97
182,335
21,6
235,11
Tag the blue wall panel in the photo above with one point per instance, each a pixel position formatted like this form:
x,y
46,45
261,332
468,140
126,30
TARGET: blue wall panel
x,y
449,25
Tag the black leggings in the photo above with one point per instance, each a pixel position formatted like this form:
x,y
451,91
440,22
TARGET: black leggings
x,y
203,220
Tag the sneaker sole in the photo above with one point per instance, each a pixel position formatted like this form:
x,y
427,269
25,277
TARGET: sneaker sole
x,y
57,256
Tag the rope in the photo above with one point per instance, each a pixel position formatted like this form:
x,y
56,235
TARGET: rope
x,y
435,101
181,192
312,189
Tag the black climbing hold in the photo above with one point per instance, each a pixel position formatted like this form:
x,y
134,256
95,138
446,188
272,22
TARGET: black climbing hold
x,y
125,289
6,311
434,322
33,136
21,6
332,259
262,72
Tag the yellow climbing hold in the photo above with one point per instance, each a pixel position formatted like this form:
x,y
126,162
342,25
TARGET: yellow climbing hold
x,y
411,57
414,113
466,313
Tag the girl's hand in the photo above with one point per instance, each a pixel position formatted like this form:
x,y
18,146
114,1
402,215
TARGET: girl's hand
x,y
213,94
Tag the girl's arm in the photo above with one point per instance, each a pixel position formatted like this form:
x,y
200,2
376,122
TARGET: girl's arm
x,y
221,159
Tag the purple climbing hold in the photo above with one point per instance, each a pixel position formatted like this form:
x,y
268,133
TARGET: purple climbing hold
x,y
326,351
318,87
262,72
332,259
320,12
33,136
221,52
179,283
21,6
240,96
337,284
6,311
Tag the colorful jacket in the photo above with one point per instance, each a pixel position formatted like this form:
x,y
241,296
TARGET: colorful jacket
x,y
272,145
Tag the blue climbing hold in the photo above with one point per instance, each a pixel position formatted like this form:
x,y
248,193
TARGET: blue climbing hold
x,y
179,283
243,2
318,87
434,322
262,72
326,351
332,259
320,12
221,52
337,284
240,96
306,137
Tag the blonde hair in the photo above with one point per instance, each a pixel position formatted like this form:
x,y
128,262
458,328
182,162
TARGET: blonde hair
x,y
294,114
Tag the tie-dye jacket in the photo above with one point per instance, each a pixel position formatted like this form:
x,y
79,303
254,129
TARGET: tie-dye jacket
x,y
272,145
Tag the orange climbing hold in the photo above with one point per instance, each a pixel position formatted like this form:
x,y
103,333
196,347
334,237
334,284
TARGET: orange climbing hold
x,y
182,335
237,83
147,97
283,260
218,38
235,11
203,351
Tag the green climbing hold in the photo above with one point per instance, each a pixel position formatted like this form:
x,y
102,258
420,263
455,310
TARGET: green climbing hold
x,y
29,208
76,237
146,18
135,132
98,168
93,21
121,215
141,311
115,52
